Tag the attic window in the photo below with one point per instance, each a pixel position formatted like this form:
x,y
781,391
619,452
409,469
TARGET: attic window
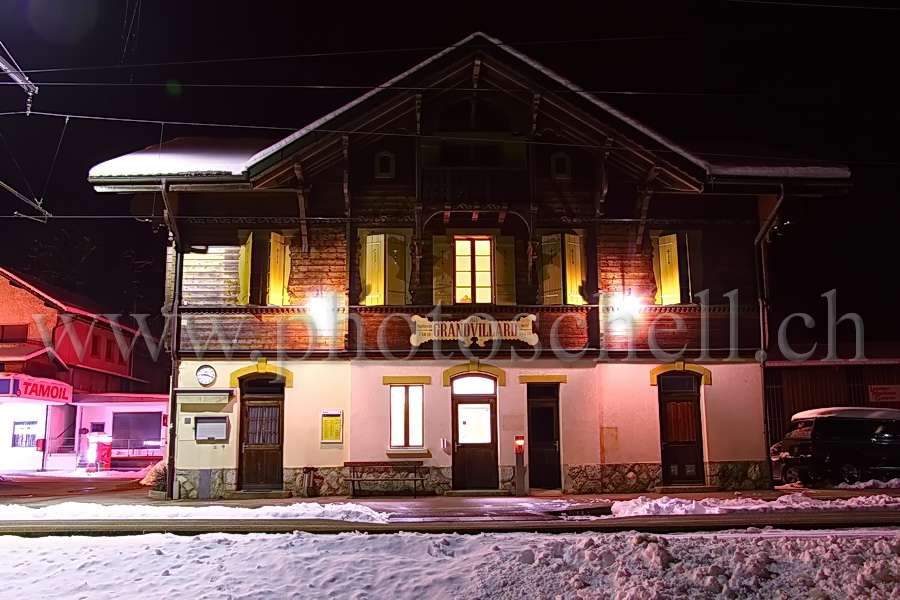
x,y
13,333
560,166
384,165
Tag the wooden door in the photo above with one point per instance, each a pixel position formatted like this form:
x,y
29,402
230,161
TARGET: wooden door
x,y
474,418
262,435
681,432
544,470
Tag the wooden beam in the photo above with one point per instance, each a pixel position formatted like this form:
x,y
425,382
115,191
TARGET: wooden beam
x,y
643,203
345,145
446,214
170,213
418,114
601,185
535,103
476,70
303,206
504,208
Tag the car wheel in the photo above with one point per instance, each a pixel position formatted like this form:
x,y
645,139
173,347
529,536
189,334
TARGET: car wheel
x,y
848,473
809,476
790,475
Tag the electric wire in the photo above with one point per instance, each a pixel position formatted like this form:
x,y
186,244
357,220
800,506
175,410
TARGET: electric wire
x,y
805,5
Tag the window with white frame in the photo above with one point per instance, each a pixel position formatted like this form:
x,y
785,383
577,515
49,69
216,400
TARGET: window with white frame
x,y
24,434
407,420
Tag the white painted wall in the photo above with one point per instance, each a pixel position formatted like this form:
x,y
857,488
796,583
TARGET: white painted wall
x,y
20,459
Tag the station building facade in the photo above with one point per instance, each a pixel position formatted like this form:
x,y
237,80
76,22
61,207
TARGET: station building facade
x,y
476,250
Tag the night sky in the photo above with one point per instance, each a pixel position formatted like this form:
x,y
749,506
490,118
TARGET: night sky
x,y
810,80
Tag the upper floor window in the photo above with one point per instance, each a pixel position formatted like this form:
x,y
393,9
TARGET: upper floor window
x,y
560,166
474,269
385,165
13,333
110,350
264,266
562,269
674,255
473,281
384,269
95,346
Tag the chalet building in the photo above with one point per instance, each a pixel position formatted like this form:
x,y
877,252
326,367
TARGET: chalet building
x,y
476,250
65,382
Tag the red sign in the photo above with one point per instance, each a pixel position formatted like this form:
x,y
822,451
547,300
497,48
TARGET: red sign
x,y
884,393
25,387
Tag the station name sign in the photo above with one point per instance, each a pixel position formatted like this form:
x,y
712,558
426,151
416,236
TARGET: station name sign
x,y
475,328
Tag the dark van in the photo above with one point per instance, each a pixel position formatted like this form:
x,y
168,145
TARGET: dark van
x,y
844,444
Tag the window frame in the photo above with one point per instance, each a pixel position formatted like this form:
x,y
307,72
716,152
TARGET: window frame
x,y
406,417
472,270
24,436
391,172
9,338
566,173
95,346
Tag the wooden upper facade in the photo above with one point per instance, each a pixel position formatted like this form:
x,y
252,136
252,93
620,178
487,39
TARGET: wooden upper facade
x,y
477,182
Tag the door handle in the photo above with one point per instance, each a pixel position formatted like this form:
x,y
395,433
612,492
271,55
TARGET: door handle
x,y
456,447
556,445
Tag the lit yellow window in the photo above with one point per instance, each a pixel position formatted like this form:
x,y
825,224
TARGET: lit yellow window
x,y
473,270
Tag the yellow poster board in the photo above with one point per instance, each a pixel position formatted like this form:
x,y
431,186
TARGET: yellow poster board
x,y
332,426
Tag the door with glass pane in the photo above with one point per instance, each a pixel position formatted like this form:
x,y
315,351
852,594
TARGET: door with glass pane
x,y
681,429
262,431
475,433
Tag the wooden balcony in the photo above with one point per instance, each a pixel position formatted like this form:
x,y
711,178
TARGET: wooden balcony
x,y
474,186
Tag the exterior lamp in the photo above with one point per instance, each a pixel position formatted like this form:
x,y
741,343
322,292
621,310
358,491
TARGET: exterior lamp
x,y
520,444
625,308
321,310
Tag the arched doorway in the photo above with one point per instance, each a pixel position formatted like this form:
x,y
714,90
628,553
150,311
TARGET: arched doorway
x,y
262,433
475,464
681,429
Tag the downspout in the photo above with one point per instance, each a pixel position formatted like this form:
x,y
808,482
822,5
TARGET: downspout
x,y
762,286
176,338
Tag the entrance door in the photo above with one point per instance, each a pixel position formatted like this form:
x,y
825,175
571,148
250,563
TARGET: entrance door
x,y
475,463
262,435
544,470
680,429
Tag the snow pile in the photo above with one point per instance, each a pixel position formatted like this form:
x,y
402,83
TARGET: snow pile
x,y
2,478
874,484
644,506
622,566
83,510
153,472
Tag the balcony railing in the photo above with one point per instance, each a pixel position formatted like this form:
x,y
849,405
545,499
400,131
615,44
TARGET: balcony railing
x,y
475,186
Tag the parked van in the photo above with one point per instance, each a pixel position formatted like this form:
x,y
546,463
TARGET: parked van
x,y
844,444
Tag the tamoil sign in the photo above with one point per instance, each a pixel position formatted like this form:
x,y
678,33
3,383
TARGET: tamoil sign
x,y
25,387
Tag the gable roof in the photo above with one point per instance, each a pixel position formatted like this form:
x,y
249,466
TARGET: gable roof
x,y
64,300
231,162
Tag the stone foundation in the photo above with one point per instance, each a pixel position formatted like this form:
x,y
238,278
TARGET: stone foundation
x,y
204,483
508,478
625,478
332,481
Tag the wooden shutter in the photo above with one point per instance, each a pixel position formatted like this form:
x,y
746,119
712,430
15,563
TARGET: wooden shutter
x,y
374,274
395,270
574,269
669,281
286,295
505,270
551,269
275,296
244,260
442,269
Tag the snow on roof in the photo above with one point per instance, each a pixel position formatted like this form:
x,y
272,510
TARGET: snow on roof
x,y
851,412
186,156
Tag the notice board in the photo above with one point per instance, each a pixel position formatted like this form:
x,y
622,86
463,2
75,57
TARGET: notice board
x,y
332,426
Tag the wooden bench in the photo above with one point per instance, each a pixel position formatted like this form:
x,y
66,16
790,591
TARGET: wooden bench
x,y
400,470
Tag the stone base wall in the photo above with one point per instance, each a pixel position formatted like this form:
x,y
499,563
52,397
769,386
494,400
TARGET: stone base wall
x,y
628,478
332,481
204,483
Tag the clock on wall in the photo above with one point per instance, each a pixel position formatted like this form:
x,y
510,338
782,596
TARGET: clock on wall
x,y
206,375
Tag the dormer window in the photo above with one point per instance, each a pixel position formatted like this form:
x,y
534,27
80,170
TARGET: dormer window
x,y
560,166
384,165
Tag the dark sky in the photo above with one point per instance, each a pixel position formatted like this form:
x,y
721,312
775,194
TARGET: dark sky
x,y
806,79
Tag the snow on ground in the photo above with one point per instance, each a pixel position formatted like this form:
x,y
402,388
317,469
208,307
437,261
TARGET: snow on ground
x,y
620,566
2,478
874,484
643,505
85,510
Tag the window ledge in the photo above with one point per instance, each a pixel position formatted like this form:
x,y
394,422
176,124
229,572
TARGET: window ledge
x,y
408,453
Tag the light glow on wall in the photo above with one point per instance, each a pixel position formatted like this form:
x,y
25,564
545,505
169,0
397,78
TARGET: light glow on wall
x,y
625,308
321,309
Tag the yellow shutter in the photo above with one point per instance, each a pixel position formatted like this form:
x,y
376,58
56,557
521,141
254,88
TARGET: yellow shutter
x,y
244,260
442,269
669,281
551,269
275,295
286,296
374,274
574,269
395,270
505,270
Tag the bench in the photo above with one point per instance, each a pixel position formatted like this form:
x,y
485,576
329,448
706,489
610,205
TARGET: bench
x,y
375,471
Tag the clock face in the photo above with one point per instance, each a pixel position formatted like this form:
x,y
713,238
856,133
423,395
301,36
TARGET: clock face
x,y
206,375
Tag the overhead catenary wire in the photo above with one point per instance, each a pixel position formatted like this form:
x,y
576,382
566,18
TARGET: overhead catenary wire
x,y
811,5
438,137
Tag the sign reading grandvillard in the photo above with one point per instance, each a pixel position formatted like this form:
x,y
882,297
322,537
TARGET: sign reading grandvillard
x,y
474,328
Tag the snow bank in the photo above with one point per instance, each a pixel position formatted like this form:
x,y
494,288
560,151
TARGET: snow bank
x,y
874,484
644,506
521,566
2,478
83,510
